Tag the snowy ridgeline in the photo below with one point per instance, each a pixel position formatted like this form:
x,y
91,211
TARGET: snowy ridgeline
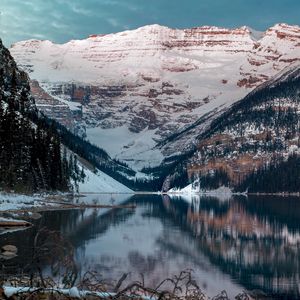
x,y
139,86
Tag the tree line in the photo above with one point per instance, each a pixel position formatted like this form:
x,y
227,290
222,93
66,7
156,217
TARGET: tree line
x,y
30,153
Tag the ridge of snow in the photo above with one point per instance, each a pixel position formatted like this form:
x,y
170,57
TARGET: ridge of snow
x,y
61,62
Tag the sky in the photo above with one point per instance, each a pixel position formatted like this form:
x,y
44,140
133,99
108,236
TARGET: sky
x,y
63,20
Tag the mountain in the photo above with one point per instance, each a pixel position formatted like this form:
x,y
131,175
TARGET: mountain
x,y
145,95
30,153
37,154
254,146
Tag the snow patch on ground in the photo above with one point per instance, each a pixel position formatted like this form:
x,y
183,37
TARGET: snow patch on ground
x,y
74,292
194,188
94,182
18,201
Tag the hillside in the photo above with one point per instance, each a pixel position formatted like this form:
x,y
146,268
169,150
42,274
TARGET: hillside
x,y
144,95
253,146
30,154
33,153
99,182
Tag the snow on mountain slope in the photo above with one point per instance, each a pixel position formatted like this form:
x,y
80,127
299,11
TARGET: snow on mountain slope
x,y
255,142
101,183
136,88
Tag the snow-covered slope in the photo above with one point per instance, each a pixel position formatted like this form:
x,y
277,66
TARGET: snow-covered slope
x,y
101,183
253,146
136,88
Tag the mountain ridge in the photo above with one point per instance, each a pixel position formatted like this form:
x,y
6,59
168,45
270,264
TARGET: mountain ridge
x,y
257,34
253,146
153,80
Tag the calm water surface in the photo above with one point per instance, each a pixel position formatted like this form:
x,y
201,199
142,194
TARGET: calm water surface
x,y
242,243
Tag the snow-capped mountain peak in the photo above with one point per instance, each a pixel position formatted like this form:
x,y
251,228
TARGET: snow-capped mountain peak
x,y
153,81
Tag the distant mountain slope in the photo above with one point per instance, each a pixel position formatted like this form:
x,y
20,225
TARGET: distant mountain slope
x,y
31,146
255,145
152,89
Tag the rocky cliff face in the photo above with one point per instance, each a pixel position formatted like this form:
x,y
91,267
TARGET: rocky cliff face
x,y
12,77
146,94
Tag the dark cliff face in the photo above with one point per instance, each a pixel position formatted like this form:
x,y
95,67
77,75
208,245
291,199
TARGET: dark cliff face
x,y
14,80
8,67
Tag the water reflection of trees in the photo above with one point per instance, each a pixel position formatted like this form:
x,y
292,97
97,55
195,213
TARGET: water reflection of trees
x,y
251,239
255,240
77,226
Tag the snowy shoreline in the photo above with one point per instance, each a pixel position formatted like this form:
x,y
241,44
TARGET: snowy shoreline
x,y
14,201
10,202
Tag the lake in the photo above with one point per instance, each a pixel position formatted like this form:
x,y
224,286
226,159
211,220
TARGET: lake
x,y
235,244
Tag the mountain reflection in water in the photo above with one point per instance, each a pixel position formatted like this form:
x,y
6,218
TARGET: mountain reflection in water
x,y
234,244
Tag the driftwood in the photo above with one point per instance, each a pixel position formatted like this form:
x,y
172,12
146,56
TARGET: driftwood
x,y
66,206
12,223
83,205
63,206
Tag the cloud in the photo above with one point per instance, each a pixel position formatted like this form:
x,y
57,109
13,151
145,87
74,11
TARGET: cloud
x,y
82,11
113,22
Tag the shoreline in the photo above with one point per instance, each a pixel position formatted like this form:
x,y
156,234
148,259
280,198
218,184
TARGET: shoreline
x,y
282,194
13,202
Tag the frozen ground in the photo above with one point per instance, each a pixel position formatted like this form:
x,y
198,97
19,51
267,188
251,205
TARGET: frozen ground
x,y
10,201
